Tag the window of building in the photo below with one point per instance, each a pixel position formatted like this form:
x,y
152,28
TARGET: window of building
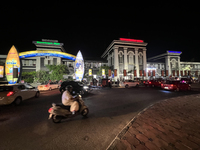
x,y
26,62
49,62
130,58
34,62
140,59
120,58
54,61
30,62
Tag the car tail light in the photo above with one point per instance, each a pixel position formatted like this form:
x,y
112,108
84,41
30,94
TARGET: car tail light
x,y
45,86
149,82
50,110
172,85
161,84
143,81
10,93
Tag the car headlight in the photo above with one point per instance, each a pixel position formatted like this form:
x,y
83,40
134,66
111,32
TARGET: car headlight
x,y
85,87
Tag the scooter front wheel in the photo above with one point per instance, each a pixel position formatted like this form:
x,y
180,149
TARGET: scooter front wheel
x,y
85,112
56,119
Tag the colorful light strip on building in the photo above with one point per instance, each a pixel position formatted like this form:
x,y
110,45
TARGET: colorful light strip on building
x,y
39,53
174,52
131,40
50,43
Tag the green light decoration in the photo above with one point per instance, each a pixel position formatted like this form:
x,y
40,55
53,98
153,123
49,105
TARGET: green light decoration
x,y
52,43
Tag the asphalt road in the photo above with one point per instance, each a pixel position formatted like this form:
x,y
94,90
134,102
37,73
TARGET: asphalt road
x,y
27,126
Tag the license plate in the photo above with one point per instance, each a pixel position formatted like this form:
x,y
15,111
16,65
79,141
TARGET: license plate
x,y
50,115
166,88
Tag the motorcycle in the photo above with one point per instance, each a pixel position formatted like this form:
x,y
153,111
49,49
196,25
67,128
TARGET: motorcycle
x,y
60,111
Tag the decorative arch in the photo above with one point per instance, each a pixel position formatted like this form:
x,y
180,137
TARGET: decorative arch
x,y
38,53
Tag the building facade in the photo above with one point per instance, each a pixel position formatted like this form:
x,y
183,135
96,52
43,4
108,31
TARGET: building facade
x,y
127,55
126,58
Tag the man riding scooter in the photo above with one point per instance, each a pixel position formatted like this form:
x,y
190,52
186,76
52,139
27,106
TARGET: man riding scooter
x,y
68,100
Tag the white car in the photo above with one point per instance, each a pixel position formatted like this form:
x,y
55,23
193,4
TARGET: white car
x,y
49,86
16,93
131,83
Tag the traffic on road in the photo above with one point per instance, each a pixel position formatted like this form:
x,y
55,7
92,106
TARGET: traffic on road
x,y
110,109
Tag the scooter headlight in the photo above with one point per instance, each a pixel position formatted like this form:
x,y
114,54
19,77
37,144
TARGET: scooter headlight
x,y
85,87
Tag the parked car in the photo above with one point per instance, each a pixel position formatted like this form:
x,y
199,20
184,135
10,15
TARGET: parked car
x,y
187,80
48,86
157,82
148,83
16,93
175,85
131,83
78,87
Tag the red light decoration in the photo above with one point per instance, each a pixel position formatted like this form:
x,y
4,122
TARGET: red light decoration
x,y
131,40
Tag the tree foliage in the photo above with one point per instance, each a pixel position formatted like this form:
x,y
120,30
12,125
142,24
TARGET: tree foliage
x,y
100,70
28,76
42,76
57,71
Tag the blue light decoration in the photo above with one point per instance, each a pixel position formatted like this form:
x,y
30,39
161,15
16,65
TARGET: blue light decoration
x,y
39,53
178,52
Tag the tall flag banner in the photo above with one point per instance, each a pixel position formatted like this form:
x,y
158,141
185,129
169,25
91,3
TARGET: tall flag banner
x,y
124,72
12,61
90,72
103,72
79,67
1,71
109,72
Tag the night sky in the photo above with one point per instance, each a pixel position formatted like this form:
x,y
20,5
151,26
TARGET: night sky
x,y
91,27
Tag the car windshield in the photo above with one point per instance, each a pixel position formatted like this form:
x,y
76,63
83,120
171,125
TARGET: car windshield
x,y
28,86
6,88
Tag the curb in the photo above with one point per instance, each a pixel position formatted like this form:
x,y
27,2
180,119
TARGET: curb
x,y
125,129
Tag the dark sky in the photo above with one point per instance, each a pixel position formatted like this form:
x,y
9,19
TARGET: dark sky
x,y
91,27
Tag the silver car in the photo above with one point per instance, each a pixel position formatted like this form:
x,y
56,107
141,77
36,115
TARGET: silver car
x,y
16,93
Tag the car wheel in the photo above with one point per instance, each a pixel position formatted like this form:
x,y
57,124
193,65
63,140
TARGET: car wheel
x,y
137,85
56,119
18,101
177,89
37,94
189,88
85,112
126,86
50,89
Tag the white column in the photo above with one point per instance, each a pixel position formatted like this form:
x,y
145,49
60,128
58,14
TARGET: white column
x,y
136,61
167,63
125,59
145,61
179,66
38,63
170,72
116,62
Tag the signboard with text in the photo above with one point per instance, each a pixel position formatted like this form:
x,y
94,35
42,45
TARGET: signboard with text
x,y
1,71
79,67
12,61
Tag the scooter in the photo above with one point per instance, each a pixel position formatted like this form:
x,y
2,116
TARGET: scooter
x,y
60,111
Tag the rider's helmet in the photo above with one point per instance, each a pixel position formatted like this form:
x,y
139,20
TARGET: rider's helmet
x,y
69,88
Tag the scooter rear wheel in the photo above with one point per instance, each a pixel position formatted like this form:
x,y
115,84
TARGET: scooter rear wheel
x,y
85,112
56,119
